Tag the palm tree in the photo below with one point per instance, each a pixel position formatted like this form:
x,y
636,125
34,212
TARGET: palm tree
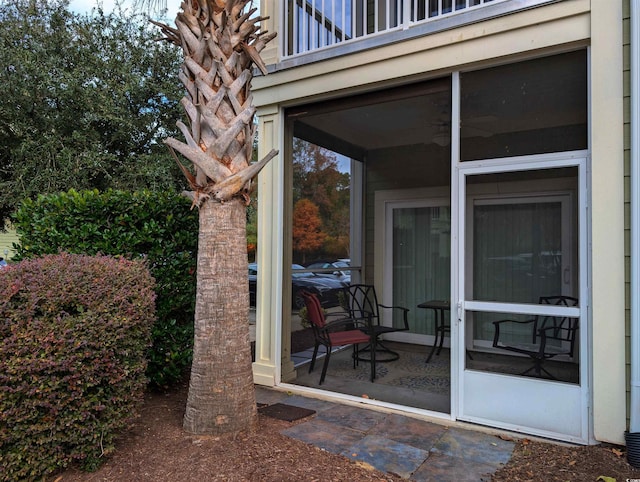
x,y
221,41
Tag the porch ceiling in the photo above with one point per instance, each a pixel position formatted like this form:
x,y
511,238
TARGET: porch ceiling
x,y
385,125
398,117
421,113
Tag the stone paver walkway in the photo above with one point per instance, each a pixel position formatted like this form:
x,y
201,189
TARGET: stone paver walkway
x,y
413,449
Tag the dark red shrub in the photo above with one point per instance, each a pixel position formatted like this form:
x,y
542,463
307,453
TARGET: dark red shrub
x,y
74,331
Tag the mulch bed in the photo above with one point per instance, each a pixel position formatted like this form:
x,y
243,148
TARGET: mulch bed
x,y
158,449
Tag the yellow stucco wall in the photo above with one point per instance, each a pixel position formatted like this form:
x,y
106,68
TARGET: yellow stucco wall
x,y
607,222
546,29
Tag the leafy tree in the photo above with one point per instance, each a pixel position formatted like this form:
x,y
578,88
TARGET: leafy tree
x,y
316,177
252,229
84,102
307,228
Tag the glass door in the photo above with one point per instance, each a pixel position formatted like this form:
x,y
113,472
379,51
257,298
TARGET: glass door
x,y
417,262
522,297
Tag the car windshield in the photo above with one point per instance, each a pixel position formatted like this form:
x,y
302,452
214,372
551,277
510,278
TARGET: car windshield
x,y
295,267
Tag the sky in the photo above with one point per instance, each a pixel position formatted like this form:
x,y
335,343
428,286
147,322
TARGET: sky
x,y
85,6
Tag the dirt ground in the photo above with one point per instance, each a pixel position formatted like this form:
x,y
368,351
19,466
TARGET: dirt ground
x,y
157,449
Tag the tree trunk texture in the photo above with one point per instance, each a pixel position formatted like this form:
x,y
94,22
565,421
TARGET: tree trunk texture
x,y
221,392
221,41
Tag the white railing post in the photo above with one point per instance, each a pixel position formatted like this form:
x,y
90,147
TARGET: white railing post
x,y
313,26
406,13
294,36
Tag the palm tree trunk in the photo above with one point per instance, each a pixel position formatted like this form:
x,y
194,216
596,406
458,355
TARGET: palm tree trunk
x,y
221,41
221,395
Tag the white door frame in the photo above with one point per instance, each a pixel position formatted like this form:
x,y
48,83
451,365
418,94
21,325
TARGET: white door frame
x,y
381,273
504,401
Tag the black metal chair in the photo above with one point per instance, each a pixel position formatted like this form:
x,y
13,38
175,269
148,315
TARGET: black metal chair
x,y
551,336
361,301
344,331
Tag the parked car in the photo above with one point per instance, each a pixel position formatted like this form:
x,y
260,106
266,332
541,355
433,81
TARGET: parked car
x,y
326,288
332,269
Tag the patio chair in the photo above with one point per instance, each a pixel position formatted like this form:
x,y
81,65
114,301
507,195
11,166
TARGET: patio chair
x,y
361,301
340,332
551,336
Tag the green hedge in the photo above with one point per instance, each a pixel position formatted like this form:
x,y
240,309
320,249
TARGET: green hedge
x,y
74,331
159,226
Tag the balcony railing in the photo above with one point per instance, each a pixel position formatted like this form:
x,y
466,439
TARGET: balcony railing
x,y
316,24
